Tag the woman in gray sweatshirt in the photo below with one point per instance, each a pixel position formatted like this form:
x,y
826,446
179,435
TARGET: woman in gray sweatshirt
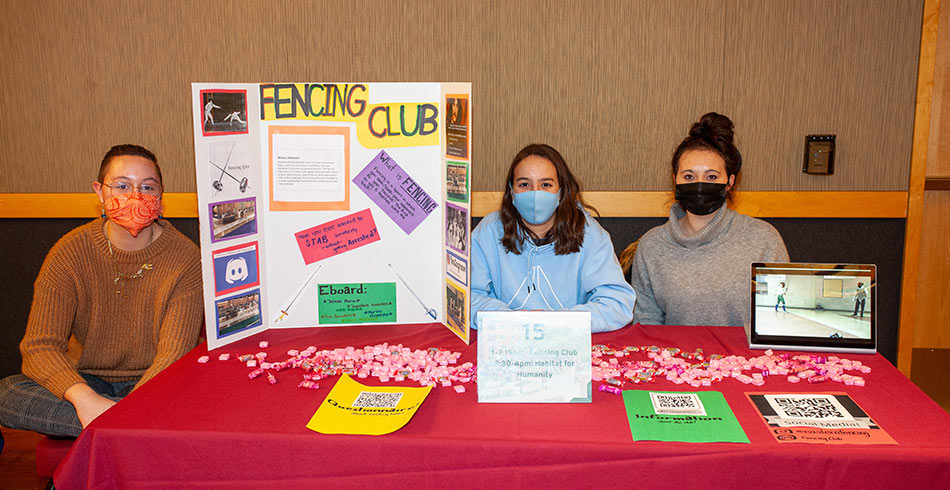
x,y
694,270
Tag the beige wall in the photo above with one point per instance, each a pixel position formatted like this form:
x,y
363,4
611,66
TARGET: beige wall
x,y
613,84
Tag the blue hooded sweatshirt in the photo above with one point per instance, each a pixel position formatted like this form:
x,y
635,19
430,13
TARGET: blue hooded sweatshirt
x,y
537,279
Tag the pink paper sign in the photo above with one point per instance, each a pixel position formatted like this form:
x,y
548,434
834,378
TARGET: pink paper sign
x,y
337,236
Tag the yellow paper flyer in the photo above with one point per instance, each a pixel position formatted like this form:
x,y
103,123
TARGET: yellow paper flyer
x,y
354,408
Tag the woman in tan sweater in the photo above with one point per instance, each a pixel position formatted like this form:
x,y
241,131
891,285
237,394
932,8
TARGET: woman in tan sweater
x,y
116,301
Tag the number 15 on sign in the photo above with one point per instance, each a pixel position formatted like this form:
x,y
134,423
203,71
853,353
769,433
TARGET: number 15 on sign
x,y
534,357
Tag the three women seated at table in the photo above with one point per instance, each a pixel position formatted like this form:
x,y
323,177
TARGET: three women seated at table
x,y
116,301
543,251
120,298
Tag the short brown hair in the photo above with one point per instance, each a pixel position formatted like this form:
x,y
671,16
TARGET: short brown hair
x,y
127,149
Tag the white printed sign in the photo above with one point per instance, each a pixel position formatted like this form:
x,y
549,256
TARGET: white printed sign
x,y
534,357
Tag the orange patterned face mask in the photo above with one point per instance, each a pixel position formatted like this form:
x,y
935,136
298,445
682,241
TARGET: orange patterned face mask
x,y
133,212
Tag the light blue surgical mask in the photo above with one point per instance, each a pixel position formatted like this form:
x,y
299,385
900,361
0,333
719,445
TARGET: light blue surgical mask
x,y
536,207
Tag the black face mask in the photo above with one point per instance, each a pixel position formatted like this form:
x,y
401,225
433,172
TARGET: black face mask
x,y
701,198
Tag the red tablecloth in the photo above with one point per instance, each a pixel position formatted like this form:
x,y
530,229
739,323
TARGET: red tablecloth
x,y
209,426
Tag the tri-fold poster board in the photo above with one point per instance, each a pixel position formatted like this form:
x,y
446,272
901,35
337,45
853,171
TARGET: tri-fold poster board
x,y
333,204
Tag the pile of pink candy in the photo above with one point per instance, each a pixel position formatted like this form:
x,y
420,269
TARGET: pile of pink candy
x,y
696,369
385,362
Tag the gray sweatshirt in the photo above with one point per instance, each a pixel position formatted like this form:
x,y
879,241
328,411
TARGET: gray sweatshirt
x,y
702,279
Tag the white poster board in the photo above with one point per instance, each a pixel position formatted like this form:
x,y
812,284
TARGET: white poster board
x,y
333,204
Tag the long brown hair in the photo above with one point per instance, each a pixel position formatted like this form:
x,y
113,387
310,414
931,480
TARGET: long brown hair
x,y
569,219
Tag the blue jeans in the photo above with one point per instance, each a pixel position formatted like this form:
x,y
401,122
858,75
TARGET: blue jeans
x,y
25,405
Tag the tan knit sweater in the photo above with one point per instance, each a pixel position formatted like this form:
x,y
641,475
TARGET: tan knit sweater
x,y
79,324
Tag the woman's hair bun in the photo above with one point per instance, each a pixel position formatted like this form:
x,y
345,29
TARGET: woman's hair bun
x,y
714,127
713,132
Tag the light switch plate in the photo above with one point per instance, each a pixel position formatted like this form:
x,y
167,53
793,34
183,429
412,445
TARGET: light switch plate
x,y
819,154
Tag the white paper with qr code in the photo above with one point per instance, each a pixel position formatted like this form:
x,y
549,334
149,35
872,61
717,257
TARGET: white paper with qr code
x,y
375,399
677,404
821,410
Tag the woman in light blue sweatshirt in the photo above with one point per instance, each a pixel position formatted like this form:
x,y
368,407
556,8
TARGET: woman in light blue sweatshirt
x,y
543,251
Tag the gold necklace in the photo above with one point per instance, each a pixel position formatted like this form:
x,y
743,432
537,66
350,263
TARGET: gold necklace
x,y
121,275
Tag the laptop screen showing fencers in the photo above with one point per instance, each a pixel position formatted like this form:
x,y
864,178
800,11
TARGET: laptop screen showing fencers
x,y
814,307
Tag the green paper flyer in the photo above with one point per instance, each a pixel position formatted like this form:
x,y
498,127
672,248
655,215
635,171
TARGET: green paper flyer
x,y
684,417
357,302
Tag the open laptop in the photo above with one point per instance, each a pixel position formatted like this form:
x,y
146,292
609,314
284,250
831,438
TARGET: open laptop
x,y
814,307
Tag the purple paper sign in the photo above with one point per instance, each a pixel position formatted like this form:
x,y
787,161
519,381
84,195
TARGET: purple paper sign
x,y
395,192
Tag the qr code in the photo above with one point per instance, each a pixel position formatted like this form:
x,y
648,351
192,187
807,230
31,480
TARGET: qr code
x,y
808,408
677,404
377,399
